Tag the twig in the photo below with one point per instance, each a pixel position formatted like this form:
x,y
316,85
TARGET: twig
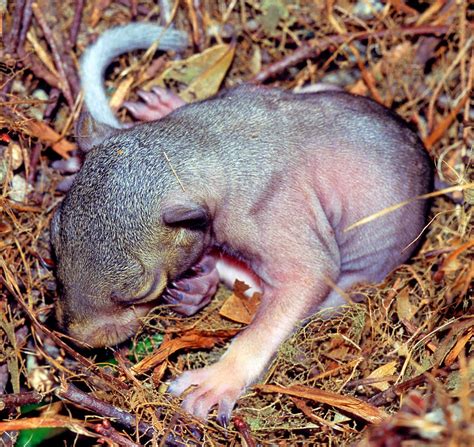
x,y
27,15
142,9
76,23
306,410
173,170
134,8
19,399
394,391
53,103
166,12
439,130
48,35
369,381
8,438
56,421
315,47
13,36
31,62
349,404
197,26
34,159
91,403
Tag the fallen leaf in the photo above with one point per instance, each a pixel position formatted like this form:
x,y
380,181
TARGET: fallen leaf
x,y
383,371
120,93
458,347
193,339
203,73
450,344
50,137
209,82
405,309
356,407
238,307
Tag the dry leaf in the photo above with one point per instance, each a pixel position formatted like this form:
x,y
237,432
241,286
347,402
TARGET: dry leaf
x,y
348,404
119,95
238,307
405,309
209,82
458,347
273,11
192,339
50,137
202,73
42,53
383,371
450,343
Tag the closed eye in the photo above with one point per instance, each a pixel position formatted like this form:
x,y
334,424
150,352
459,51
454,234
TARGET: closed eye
x,y
153,292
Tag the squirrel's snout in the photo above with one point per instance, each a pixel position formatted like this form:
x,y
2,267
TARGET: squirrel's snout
x,y
104,327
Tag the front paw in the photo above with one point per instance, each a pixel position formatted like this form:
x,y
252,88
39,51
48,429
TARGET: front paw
x,y
195,289
214,385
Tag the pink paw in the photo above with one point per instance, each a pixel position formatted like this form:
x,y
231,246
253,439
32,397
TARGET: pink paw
x,y
216,385
157,104
195,289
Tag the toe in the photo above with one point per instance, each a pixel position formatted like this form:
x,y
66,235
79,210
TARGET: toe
x,y
141,111
196,287
183,382
150,98
171,100
224,411
206,265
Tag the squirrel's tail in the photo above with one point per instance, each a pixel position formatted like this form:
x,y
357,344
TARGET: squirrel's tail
x,y
111,44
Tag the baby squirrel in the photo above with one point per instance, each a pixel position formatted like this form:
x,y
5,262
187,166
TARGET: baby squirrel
x,y
271,177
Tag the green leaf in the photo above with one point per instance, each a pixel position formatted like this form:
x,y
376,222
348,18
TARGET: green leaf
x,y
34,437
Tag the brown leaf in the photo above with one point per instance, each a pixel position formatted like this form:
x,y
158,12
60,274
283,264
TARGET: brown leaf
x,y
383,371
458,347
238,307
348,404
405,309
49,136
193,339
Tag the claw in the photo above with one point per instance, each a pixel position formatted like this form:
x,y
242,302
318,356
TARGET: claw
x,y
173,297
223,419
181,285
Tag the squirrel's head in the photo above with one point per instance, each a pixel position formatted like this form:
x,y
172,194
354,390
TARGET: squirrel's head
x,y
123,231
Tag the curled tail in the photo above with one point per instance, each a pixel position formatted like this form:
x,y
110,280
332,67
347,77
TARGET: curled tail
x,y
111,44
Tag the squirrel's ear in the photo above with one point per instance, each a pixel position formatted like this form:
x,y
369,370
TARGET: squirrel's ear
x,y
189,215
90,133
54,228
